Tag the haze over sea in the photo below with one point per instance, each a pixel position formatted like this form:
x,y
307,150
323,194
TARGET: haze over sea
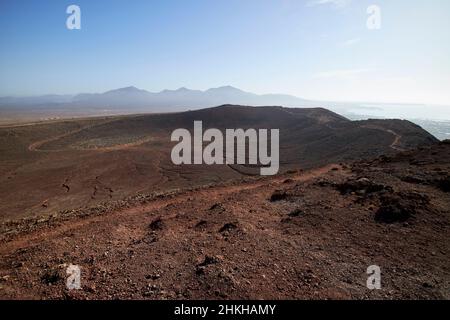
x,y
433,118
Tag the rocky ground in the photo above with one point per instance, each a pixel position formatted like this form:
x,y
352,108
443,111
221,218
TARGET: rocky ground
x,y
303,235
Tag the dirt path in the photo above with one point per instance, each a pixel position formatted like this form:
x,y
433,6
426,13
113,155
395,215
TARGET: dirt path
x,y
35,145
293,236
47,233
396,143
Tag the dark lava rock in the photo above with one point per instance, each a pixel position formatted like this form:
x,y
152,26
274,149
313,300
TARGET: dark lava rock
x,y
209,260
228,226
201,224
324,183
217,206
52,276
157,224
443,184
413,179
278,195
437,178
295,213
416,198
384,159
400,207
393,210
361,186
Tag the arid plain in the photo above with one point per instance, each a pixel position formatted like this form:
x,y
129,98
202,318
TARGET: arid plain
x,y
103,193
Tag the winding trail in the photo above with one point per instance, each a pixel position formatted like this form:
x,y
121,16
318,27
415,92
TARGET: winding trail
x,y
76,224
396,143
35,146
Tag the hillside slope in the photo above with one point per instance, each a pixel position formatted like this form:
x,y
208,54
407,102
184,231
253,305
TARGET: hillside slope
x,y
303,235
56,166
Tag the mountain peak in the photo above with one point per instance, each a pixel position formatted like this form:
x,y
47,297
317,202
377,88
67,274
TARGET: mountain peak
x,y
225,89
129,89
179,90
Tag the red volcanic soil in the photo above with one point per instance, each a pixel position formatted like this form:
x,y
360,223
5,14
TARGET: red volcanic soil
x,y
302,235
58,166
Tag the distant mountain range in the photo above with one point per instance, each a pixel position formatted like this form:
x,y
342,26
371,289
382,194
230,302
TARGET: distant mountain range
x,y
137,100
131,100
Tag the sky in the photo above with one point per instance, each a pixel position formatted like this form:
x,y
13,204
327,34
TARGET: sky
x,y
314,49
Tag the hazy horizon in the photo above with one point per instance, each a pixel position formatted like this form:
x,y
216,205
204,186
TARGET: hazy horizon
x,y
223,86
316,50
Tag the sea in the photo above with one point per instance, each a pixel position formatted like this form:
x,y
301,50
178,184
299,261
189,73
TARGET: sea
x,y
433,118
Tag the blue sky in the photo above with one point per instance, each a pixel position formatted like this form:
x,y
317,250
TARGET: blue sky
x,y
316,49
